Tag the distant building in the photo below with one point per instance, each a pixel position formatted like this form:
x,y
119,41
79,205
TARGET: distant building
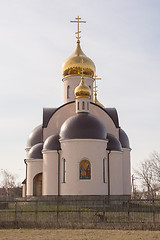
x,y
80,148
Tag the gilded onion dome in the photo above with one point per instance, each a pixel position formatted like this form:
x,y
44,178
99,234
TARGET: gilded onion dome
x,y
73,65
82,90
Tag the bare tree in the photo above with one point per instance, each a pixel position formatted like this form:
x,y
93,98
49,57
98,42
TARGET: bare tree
x,y
149,174
8,183
155,158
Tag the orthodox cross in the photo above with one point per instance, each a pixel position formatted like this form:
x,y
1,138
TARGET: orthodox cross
x,y
95,86
78,21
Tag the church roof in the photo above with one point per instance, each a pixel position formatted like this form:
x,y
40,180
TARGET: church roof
x,y
123,139
83,126
49,112
113,143
112,112
36,151
52,143
35,136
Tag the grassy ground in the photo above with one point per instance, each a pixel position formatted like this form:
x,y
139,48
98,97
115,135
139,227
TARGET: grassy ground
x,y
83,234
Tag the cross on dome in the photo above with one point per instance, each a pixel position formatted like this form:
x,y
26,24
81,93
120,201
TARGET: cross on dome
x,y
78,21
95,86
95,92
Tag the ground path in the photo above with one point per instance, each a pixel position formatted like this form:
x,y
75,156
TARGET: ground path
x,y
74,234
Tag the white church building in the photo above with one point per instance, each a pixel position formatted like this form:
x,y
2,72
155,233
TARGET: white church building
x,y
80,148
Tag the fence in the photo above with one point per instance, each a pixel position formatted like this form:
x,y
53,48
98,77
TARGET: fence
x,y
80,213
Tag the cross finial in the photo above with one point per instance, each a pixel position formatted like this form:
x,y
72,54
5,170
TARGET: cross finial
x,y
78,21
95,86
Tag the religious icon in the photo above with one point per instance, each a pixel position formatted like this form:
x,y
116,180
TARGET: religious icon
x,y
85,169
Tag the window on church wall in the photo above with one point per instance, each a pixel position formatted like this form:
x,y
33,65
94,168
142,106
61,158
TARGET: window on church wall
x,y
91,91
83,105
105,170
63,170
87,105
68,91
78,105
85,169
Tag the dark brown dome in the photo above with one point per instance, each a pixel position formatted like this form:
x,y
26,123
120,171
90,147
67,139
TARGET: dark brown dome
x,y
113,143
83,125
123,139
36,151
35,137
52,143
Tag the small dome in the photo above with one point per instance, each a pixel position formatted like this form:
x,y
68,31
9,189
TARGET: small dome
x,y
35,137
83,126
36,151
52,143
113,143
123,139
73,65
82,90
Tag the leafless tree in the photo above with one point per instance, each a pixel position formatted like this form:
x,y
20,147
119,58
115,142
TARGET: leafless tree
x,y
155,158
149,173
9,184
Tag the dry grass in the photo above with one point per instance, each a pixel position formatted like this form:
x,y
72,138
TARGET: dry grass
x,y
79,234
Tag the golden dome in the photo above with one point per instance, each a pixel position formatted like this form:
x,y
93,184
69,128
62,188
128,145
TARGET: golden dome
x,y
82,90
73,65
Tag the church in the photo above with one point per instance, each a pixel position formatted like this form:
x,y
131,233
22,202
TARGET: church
x,y
80,148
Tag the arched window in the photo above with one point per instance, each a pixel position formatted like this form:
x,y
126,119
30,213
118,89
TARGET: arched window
x,y
68,91
83,105
87,105
78,105
85,169
105,169
91,91
63,170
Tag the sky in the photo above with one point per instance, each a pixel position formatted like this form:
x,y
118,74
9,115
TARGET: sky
x,y
122,37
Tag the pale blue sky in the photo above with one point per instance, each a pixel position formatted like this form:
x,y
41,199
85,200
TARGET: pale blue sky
x,y
122,37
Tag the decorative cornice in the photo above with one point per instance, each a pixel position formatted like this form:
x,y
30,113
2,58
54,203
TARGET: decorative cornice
x,y
83,140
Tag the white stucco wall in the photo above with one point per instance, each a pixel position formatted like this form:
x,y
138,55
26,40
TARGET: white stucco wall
x,y
50,173
116,178
73,82
74,151
82,105
23,190
34,166
126,166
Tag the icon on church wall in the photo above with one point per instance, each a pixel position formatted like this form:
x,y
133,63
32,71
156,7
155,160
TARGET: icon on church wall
x,y
85,169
